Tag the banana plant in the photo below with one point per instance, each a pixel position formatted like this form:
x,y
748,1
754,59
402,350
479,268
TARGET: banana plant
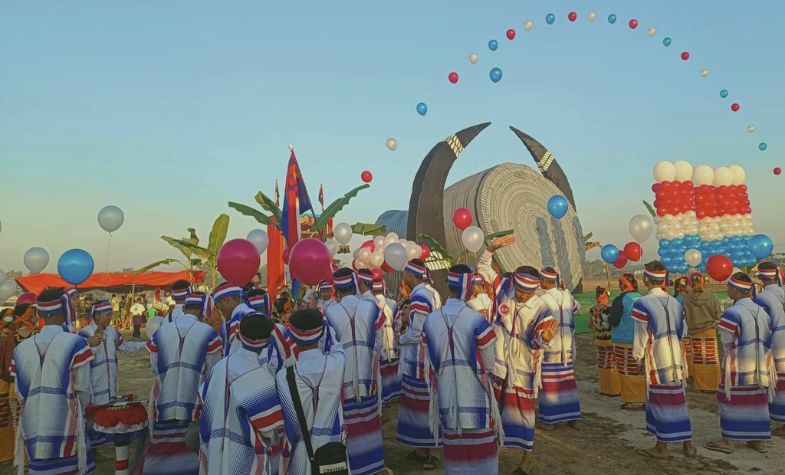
x,y
649,208
366,229
204,255
153,265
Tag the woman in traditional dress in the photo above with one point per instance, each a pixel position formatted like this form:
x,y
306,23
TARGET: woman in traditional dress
x,y
631,377
606,361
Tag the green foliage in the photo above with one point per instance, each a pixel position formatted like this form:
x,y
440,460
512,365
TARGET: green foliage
x,y
649,208
189,247
336,206
436,246
587,237
217,238
367,229
492,236
153,265
268,205
254,213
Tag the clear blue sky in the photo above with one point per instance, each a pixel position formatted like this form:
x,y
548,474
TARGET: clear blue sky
x,y
171,109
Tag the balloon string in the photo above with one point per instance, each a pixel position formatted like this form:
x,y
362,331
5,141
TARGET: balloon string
x,y
108,251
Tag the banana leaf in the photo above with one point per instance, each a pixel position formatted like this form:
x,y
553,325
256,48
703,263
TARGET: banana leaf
x,y
436,246
492,236
253,213
587,237
186,247
153,265
268,205
367,229
217,237
192,238
649,208
336,206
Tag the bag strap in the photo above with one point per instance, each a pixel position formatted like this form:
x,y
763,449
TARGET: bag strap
x,y
298,408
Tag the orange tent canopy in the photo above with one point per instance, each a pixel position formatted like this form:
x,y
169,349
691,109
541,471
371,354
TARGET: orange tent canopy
x,y
117,281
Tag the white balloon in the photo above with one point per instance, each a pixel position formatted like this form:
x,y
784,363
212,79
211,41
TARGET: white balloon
x,y
693,257
2,276
364,255
473,238
377,259
395,256
739,175
391,144
110,218
411,251
343,233
683,170
391,238
703,175
592,16
723,176
474,58
417,250
378,242
664,171
641,227
259,239
355,253
36,259
750,128
360,265
333,245
651,32
7,290
704,72
528,25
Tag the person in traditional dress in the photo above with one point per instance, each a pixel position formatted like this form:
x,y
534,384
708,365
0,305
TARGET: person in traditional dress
x,y
413,427
359,327
318,376
480,301
241,418
180,290
53,386
259,301
599,322
559,396
230,300
388,364
181,356
326,295
703,311
680,289
461,353
658,341
631,377
772,298
748,372
7,345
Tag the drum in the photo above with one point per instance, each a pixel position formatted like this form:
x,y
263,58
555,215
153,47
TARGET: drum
x,y
119,417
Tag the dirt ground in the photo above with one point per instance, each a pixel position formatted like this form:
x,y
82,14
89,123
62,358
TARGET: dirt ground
x,y
605,442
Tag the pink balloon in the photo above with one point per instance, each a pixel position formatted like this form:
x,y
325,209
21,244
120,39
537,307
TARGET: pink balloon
x,y
426,251
238,261
309,261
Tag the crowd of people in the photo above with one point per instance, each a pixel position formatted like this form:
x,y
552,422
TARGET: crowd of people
x,y
244,392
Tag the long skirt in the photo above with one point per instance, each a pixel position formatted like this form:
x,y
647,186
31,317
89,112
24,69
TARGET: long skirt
x,y
413,426
62,466
777,407
391,381
633,381
517,410
7,434
745,416
167,453
606,368
363,435
559,396
472,452
666,413
704,360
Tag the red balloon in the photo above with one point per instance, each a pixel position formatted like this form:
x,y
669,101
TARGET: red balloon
x,y
510,34
453,77
309,261
366,176
778,171
369,245
621,261
378,275
633,251
238,261
735,107
426,251
719,268
462,218
685,55
572,16
633,23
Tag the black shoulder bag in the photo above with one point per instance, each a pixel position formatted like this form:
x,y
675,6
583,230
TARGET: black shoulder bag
x,y
329,458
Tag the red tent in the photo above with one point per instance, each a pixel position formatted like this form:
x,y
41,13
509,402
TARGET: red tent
x,y
120,282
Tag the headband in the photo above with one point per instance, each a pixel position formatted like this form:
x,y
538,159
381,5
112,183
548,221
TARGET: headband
x,y
551,275
181,294
478,280
656,275
205,301
421,272
227,290
462,282
307,337
770,274
741,285
379,286
324,285
261,303
47,309
100,307
526,282
346,282
366,279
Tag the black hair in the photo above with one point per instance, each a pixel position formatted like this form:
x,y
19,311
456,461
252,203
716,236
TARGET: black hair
x,y
528,270
306,319
256,326
461,269
654,266
599,291
50,294
21,308
256,293
181,285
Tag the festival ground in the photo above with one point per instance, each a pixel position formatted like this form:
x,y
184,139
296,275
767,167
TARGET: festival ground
x,y
605,443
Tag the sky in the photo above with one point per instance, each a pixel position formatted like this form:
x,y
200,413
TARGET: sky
x,y
171,109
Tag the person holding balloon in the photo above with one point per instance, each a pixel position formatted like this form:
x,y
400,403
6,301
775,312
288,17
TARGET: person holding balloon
x,y
702,312
772,298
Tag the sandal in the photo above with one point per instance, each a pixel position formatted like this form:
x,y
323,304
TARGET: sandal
x,y
652,453
761,449
690,452
431,463
715,447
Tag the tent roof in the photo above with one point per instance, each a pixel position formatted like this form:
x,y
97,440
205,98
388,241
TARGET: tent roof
x,y
111,281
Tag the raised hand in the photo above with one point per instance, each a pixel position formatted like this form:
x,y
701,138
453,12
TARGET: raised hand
x,y
501,242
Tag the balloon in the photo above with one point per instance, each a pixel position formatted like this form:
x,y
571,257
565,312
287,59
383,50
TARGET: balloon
x,y
395,256
342,233
704,73
735,107
2,276
723,176
633,24
683,170
473,238
685,55
510,34
750,129
633,251
377,259
422,108
36,259
666,41
693,257
391,144
621,261
495,74
558,206
641,227
333,246
612,18
724,93
719,267
528,25
703,175
664,171
651,32
492,45
309,261
609,253
738,174
366,176
426,252
761,246
777,171
391,238
259,239
462,218
453,77
75,266
378,243
550,18
762,146
110,218
592,16
474,58
7,290
238,261
413,251
572,16
364,255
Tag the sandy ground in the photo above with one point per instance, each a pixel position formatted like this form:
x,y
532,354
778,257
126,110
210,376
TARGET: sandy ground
x,y
605,442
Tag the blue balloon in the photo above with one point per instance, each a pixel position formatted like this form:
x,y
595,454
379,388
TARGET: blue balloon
x,y
612,18
664,243
550,18
762,146
557,206
75,266
495,74
422,108
761,246
724,93
609,253
666,41
492,45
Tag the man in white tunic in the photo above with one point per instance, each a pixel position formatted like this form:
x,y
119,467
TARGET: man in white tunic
x,y
773,300
180,290
231,302
481,302
388,365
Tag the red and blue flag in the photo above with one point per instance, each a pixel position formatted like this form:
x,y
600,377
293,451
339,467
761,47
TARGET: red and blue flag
x,y
295,202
